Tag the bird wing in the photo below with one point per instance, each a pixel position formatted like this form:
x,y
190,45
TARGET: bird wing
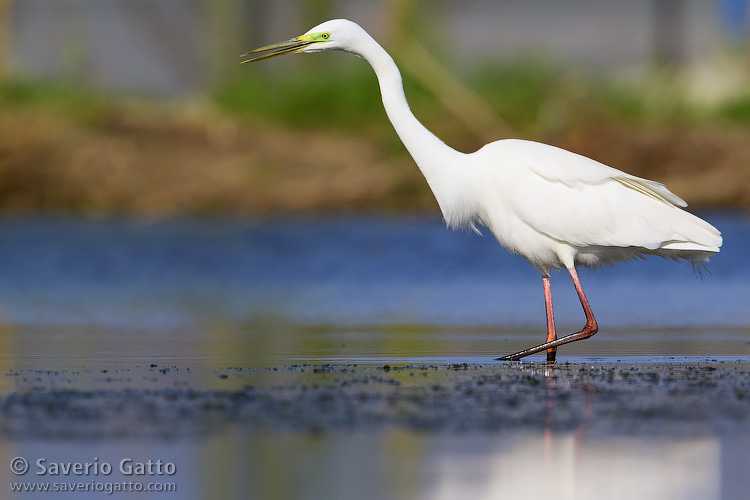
x,y
576,200
559,165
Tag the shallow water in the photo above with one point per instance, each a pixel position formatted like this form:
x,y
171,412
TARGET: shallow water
x,y
272,291
87,295
399,465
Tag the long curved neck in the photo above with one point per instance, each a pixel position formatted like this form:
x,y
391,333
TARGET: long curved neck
x,y
430,153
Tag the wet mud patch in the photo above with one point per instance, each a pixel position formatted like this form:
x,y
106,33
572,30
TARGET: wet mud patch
x,y
177,402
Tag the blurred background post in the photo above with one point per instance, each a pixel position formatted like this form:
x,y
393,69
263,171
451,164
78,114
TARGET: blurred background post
x,y
669,35
5,34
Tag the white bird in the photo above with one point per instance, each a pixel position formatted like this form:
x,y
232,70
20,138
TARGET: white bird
x,y
552,207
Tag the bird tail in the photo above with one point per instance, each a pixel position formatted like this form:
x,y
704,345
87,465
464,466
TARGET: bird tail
x,y
694,239
694,235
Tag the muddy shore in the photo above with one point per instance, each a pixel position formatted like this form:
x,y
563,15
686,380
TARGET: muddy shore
x,y
675,398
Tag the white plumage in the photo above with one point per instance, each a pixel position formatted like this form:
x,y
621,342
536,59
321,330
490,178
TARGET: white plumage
x,y
552,207
558,209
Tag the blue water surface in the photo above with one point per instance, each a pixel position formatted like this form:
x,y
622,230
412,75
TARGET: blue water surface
x,y
336,270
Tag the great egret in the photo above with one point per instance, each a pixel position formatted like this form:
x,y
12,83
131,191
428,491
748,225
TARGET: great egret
x,y
552,207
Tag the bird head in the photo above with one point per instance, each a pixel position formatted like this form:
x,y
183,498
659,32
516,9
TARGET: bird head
x,y
338,34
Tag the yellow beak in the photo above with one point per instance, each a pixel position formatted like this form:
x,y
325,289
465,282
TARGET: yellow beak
x,y
287,47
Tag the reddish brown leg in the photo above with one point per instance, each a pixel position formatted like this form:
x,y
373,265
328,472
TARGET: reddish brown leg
x,y
551,335
588,330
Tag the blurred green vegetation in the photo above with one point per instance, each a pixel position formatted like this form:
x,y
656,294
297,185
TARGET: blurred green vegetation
x,y
524,92
317,139
736,109
72,101
308,100
314,99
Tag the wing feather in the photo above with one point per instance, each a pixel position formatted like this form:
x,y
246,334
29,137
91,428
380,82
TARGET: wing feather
x,y
585,203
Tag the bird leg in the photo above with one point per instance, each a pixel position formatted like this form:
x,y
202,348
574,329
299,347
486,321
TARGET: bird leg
x,y
551,335
588,330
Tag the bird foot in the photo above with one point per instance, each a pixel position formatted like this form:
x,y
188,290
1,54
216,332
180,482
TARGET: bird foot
x,y
533,350
588,330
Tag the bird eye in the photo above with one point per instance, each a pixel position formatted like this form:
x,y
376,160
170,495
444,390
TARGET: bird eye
x,y
326,36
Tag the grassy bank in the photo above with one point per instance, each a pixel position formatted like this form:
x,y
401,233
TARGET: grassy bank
x,y
266,144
